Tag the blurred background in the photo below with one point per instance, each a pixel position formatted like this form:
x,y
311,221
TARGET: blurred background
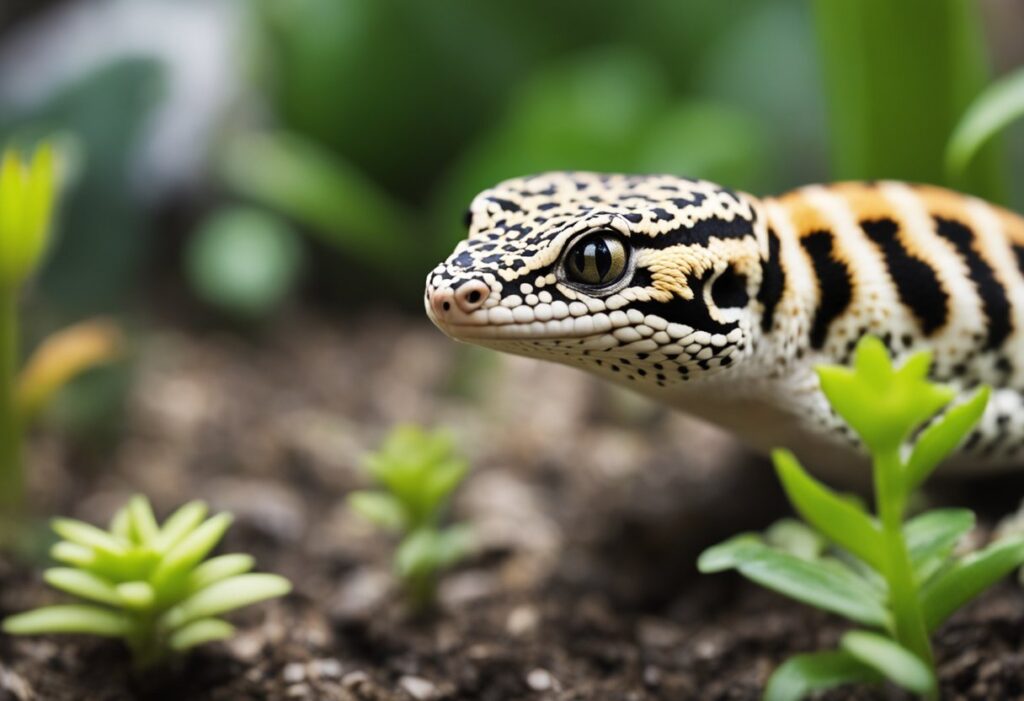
x,y
237,164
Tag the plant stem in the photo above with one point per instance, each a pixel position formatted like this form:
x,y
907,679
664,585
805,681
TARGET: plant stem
x,y
890,500
12,481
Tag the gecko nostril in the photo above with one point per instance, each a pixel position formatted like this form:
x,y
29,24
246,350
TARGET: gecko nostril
x,y
471,295
446,306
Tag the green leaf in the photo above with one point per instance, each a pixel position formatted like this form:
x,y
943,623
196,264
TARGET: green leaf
x,y
951,589
73,554
205,630
796,538
137,596
244,261
179,524
932,536
218,568
226,595
89,536
69,619
83,584
838,519
427,550
943,436
379,508
993,110
121,524
143,521
190,550
802,675
896,663
829,586
883,405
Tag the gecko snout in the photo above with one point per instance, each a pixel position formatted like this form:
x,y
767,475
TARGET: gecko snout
x,y
467,298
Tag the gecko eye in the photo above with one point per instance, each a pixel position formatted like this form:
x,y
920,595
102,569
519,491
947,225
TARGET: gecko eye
x,y
596,260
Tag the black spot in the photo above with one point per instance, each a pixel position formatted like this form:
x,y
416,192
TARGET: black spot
x,y
695,200
834,284
730,290
993,296
1018,252
661,214
773,282
467,219
916,282
506,205
544,206
633,217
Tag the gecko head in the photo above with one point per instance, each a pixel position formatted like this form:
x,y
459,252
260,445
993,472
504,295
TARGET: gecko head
x,y
646,279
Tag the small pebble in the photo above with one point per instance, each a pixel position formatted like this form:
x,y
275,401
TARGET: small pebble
x,y
356,680
325,669
294,672
540,680
522,620
418,687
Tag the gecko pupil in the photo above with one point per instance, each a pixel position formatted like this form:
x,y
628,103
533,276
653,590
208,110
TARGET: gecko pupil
x,y
599,259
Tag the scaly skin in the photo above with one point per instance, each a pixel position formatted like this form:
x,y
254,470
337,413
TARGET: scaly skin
x,y
726,302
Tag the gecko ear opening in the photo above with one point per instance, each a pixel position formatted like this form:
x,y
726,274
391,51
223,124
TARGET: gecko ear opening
x,y
729,289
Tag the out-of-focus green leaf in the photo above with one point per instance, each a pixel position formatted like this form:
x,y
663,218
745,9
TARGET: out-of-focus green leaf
x,y
244,261
943,436
896,663
83,584
299,179
226,595
802,675
68,619
379,508
217,568
951,589
993,110
932,536
897,77
796,538
198,632
827,586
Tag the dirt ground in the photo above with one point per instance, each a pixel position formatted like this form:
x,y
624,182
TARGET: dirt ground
x,y
589,505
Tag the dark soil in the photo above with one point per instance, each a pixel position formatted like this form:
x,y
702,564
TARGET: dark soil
x,y
590,507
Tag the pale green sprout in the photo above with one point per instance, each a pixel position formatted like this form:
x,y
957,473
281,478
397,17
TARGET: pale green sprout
x,y
417,472
900,578
148,584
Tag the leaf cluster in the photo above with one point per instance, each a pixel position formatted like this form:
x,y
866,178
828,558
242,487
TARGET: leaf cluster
x,y
148,584
417,472
901,579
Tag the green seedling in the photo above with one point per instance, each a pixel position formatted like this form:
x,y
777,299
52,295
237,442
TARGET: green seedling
x,y
417,472
28,194
900,579
149,585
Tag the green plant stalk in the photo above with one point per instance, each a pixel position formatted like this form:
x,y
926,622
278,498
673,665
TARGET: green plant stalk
x,y
890,497
12,479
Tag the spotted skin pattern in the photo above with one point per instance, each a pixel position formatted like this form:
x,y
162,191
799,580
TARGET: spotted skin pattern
x,y
728,301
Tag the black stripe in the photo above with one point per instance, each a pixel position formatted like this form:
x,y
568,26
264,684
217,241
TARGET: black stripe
x,y
994,301
700,233
693,312
1018,253
835,285
773,282
916,282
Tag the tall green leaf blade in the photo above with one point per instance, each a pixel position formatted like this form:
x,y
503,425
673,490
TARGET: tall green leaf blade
x,y
802,675
997,107
838,519
898,75
218,568
69,619
954,587
896,663
943,436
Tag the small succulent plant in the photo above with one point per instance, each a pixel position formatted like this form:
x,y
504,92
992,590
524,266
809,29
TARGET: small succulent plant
x,y
900,579
417,472
149,585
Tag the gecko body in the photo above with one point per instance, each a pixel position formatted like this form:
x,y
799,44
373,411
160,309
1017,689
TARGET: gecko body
x,y
721,304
